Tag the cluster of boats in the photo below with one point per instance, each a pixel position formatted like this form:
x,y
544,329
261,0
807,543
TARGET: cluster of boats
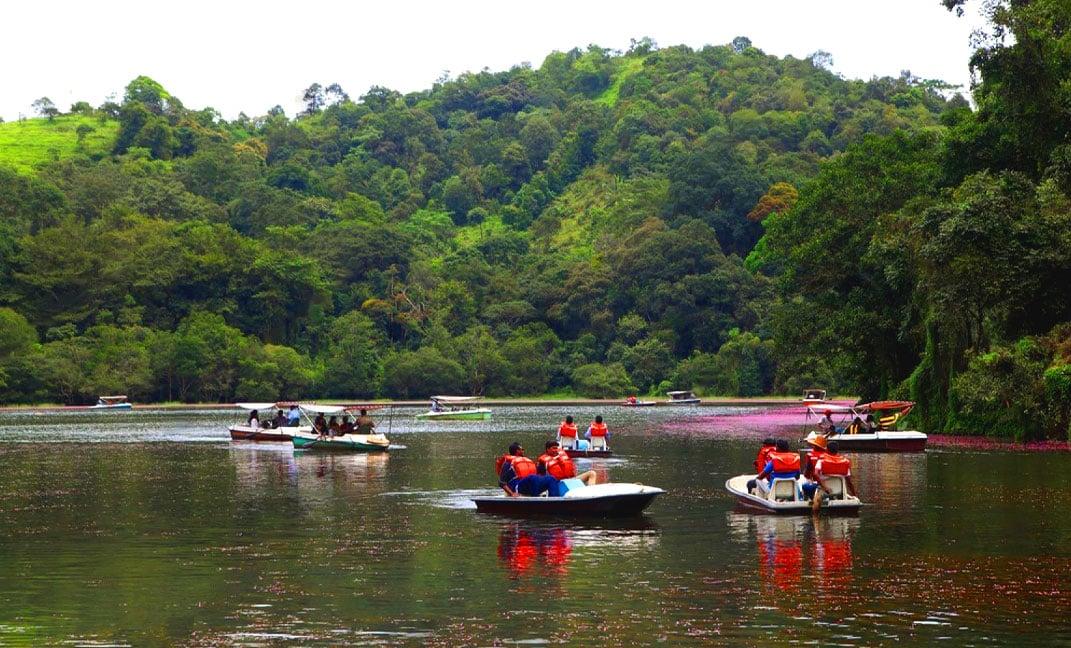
x,y
306,437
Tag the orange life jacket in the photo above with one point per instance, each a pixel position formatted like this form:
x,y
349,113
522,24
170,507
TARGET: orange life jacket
x,y
598,429
502,461
567,430
813,457
834,464
512,459
561,466
523,467
763,457
785,462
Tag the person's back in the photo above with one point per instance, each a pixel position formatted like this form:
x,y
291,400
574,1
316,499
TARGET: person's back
x,y
293,417
280,420
567,433
768,446
598,434
365,424
781,463
539,483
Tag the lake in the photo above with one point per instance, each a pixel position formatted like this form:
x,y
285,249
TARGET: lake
x,y
152,527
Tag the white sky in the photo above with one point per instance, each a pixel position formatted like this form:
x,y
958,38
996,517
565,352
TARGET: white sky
x,y
241,55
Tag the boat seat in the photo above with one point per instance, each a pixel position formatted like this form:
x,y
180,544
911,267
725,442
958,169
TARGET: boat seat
x,y
836,486
784,490
567,443
598,443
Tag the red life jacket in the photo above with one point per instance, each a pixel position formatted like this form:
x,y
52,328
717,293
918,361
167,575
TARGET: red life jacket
x,y
813,457
502,461
763,457
598,429
567,430
834,464
561,466
523,467
785,462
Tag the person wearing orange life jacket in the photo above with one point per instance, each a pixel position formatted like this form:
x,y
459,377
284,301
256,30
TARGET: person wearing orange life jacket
x,y
831,464
513,467
567,433
557,461
597,434
780,464
818,445
768,446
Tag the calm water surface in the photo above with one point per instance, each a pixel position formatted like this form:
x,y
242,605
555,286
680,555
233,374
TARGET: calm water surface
x,y
153,528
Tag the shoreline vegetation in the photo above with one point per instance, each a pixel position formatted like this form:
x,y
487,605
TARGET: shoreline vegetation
x,y
607,222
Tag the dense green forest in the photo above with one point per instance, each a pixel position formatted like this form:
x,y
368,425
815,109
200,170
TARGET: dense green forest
x,y
605,223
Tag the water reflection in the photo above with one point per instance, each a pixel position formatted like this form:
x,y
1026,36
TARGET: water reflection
x,y
527,548
799,553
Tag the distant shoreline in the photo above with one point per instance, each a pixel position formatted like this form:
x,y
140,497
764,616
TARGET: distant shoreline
x,y
721,401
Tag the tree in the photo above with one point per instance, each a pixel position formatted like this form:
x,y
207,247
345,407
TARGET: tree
x,y
602,381
314,99
45,108
423,372
353,365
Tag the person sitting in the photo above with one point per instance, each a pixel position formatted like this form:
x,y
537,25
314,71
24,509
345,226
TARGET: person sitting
x,y
597,434
826,425
567,433
631,400
557,461
513,467
279,420
333,426
855,427
293,417
869,426
831,464
319,426
781,464
436,406
768,446
346,426
543,482
365,424
818,445
254,419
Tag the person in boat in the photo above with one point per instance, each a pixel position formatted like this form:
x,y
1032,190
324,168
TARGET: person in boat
x,y
333,426
855,427
557,462
513,467
826,425
631,400
781,463
567,433
869,426
279,420
319,425
543,482
254,419
365,424
818,444
831,464
597,434
436,406
346,426
293,417
768,446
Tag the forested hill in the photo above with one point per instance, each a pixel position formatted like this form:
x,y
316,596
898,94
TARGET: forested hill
x,y
581,225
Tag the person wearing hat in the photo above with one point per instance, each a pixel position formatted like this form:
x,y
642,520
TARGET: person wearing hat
x,y
826,425
818,444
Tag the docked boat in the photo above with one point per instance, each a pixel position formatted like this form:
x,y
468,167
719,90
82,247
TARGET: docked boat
x,y
600,500
784,496
682,398
455,408
853,438
632,401
245,432
308,439
119,402
813,396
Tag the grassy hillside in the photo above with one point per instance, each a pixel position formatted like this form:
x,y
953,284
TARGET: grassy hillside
x,y
25,144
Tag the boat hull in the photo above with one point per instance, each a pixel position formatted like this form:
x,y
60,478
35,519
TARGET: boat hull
x,y
589,454
345,443
639,404
245,433
119,406
879,442
738,487
603,500
684,401
463,415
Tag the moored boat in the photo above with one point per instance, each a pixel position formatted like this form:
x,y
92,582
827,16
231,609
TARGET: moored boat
x,y
813,396
455,408
246,432
784,496
682,398
632,401
600,500
118,402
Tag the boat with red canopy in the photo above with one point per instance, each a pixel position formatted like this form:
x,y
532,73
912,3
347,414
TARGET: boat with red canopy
x,y
852,433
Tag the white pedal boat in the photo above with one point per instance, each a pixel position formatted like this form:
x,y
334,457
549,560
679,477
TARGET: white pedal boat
x,y
785,497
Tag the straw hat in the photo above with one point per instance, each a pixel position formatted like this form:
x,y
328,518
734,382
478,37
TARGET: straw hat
x,y
819,441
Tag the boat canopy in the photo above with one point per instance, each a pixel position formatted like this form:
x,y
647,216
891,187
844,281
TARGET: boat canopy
x,y
902,407
456,399
112,399
337,409
674,394
255,406
819,409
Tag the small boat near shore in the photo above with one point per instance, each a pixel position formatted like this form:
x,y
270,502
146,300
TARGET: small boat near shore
x,y
682,398
455,408
118,402
600,500
884,438
813,396
784,497
632,401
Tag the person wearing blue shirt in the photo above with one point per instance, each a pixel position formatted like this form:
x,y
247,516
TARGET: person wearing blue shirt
x,y
539,483
293,417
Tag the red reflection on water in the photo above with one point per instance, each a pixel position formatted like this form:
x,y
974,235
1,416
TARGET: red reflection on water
x,y
521,549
